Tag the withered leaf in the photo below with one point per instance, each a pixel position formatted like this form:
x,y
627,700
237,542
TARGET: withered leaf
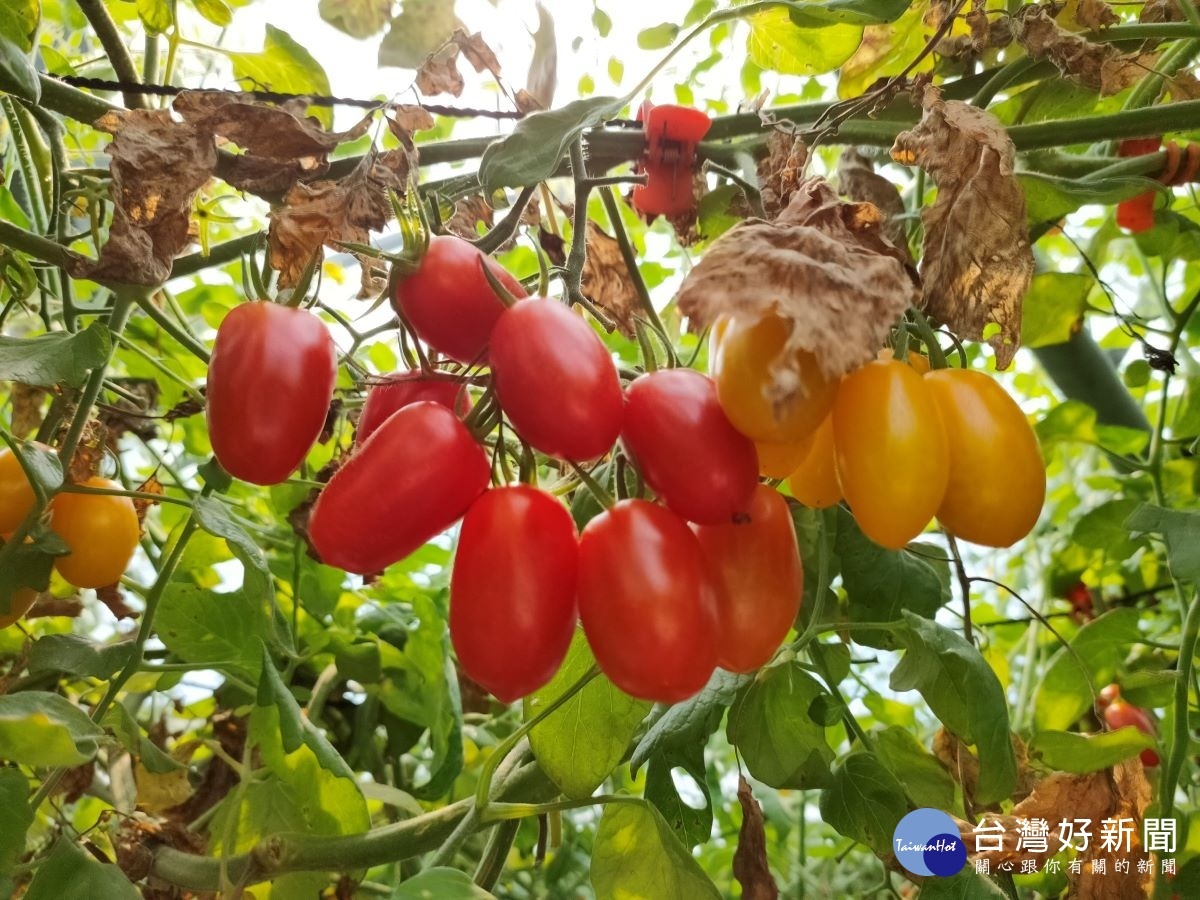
x,y
89,453
1095,14
477,52
780,171
410,118
976,263
811,266
157,167
112,597
858,180
26,401
439,73
468,213
1101,67
606,281
750,866
142,504
48,605
328,212
1161,11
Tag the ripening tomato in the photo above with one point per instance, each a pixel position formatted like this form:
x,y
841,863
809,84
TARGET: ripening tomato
x,y
408,482
758,579
399,391
22,601
815,481
16,493
701,466
744,351
512,590
781,460
1108,694
270,383
646,602
555,380
1137,213
448,301
997,477
1119,714
102,531
915,359
891,450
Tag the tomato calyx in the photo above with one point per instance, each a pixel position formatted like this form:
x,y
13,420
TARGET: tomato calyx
x,y
672,135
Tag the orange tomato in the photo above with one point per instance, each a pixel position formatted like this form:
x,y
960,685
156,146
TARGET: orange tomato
x,y
915,359
815,481
102,531
997,477
16,493
743,351
781,460
20,604
891,449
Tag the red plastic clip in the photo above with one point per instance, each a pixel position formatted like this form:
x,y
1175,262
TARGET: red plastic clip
x,y
672,133
1136,214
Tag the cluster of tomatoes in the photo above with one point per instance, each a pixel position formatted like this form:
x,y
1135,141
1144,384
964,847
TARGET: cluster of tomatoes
x,y
101,531
899,442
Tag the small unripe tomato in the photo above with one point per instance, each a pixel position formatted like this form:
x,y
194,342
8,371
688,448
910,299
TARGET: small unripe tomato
x,y
744,352
815,481
892,453
997,479
16,493
102,531
22,601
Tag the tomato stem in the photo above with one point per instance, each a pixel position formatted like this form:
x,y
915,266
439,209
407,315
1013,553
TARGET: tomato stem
x,y
937,359
603,497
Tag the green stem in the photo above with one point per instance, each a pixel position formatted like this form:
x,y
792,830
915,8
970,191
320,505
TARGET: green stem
x,y
163,321
114,48
1177,752
35,245
491,866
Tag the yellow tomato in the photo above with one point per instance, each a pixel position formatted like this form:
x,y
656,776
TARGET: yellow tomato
x,y
16,493
915,359
744,350
102,531
997,477
781,460
815,483
892,453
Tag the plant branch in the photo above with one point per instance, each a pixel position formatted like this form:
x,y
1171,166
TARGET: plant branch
x,y
40,248
114,48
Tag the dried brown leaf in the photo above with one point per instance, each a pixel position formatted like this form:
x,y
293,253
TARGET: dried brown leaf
x,y
48,605
26,403
542,77
112,597
269,177
439,73
1161,11
858,180
1101,67
477,52
976,263
468,213
606,281
750,866
1095,14
554,247
809,266
157,166
1184,86
780,171
150,486
328,212
411,118
89,453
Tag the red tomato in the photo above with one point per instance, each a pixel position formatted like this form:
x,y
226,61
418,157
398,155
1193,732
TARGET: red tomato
x,y
448,301
997,479
755,566
102,531
646,602
815,481
700,465
270,383
410,481
16,493
1082,605
892,456
512,610
556,380
399,391
1110,693
1137,213
1118,714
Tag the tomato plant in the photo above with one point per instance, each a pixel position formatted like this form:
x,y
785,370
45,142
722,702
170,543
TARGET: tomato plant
x,y
101,530
539,343
400,391
447,299
504,597
891,450
814,482
270,383
997,479
701,466
646,602
411,480
16,493
756,570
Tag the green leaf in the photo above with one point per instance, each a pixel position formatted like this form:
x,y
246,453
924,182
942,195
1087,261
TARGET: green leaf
x,y
156,15
864,801
584,740
964,693
1048,198
1091,660
73,654
927,780
221,630
440,883
30,565
779,44
19,23
421,27
58,358
215,518
1103,528
636,856
14,800
658,37
536,146
216,11
41,729
69,873
357,18
129,733
1083,753
18,37
1180,530
882,583
284,65
769,724
886,50
691,722
817,13
693,826
1053,308
1187,415
1075,421
966,885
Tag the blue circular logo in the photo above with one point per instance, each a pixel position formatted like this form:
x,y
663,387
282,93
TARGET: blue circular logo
x,y
927,842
